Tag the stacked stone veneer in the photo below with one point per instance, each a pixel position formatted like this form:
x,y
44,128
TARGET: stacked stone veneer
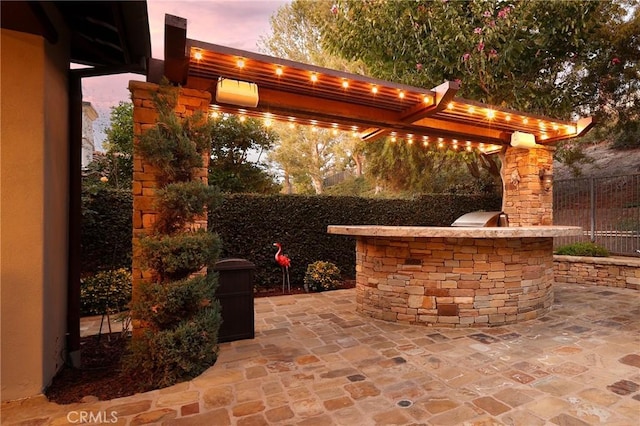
x,y
602,271
454,282
145,175
524,199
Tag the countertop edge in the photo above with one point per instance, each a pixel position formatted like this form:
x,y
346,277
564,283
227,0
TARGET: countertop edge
x,y
454,232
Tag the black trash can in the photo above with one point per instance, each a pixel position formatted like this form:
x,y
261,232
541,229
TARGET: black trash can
x,y
235,293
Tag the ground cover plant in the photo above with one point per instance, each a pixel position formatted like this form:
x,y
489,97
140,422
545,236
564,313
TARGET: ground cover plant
x,y
583,249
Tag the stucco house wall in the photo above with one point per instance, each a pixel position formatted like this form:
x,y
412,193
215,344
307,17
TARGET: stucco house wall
x,y
34,169
89,115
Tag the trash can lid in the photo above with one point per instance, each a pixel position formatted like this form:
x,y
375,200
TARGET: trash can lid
x,y
232,263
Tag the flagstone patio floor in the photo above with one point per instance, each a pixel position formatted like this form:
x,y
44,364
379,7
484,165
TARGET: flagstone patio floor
x,y
315,361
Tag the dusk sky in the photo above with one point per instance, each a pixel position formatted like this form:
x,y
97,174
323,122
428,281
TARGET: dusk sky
x,y
233,23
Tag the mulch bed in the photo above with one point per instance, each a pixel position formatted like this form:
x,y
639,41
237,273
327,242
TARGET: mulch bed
x,y
100,375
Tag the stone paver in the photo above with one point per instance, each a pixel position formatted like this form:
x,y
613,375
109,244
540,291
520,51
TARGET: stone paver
x,y
315,361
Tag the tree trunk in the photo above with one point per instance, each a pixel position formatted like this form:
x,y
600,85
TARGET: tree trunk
x,y
288,188
317,184
358,159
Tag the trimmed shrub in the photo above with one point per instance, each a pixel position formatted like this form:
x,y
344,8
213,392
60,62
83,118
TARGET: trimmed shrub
x,y
322,276
105,292
167,305
182,202
179,353
583,249
174,257
180,322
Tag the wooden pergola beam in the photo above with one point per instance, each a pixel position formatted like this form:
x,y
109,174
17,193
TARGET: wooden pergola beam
x,y
176,59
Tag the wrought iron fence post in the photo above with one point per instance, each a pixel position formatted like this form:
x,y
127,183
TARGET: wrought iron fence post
x,y
592,202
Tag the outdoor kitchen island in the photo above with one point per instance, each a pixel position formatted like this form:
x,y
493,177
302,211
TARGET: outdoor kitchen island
x,y
454,277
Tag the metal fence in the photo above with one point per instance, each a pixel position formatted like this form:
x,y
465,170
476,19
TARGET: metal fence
x,y
336,178
607,208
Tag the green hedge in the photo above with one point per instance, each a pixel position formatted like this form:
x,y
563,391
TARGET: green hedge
x,y
106,229
105,292
250,224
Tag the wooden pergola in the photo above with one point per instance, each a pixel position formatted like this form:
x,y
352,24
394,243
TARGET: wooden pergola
x,y
370,108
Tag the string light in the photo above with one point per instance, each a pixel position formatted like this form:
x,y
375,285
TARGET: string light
x,y
240,63
401,95
198,55
345,84
427,99
314,77
279,71
471,110
242,118
525,120
374,89
507,117
491,114
215,114
450,105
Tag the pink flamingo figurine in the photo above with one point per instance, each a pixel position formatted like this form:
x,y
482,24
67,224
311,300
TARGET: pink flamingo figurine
x,y
284,262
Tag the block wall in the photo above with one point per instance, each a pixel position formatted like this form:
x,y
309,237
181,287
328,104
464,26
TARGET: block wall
x,y
454,282
603,271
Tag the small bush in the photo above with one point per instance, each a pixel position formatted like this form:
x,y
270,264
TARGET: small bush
x,y
322,276
583,249
105,292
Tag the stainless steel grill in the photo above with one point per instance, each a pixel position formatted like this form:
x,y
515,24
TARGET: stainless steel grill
x,y
481,220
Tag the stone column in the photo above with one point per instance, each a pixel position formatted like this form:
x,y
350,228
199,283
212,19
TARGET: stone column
x,y
145,175
524,198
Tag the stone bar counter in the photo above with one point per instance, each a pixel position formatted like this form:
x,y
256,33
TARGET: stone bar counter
x,y
454,277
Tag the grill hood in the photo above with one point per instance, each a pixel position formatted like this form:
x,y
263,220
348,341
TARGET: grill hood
x,y
480,220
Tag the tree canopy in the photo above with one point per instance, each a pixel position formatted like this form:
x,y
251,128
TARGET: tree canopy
x,y
548,57
308,155
237,143
114,168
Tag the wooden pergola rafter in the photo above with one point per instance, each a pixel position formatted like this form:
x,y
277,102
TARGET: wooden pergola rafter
x,y
370,108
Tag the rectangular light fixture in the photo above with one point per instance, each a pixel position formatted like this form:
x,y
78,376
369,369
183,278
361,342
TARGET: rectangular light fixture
x,y
523,140
235,92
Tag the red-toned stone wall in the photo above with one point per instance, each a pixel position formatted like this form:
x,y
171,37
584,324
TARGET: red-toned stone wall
x,y
144,174
524,199
454,282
